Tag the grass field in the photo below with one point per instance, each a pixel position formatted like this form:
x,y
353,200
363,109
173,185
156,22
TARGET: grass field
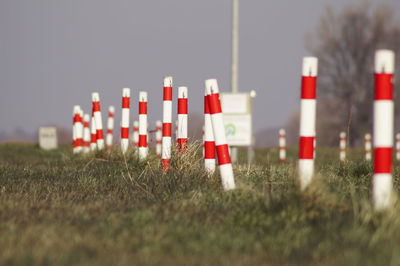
x,y
59,209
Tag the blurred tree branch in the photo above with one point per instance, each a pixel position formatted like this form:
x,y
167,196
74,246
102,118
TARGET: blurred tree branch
x,y
345,42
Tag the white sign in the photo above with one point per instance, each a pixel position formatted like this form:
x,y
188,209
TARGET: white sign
x,y
238,129
48,138
236,108
235,103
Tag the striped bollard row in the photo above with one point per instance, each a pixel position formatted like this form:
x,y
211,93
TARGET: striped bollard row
x,y
167,123
77,133
368,147
158,138
98,120
182,118
307,120
208,135
383,129
135,134
86,134
282,145
217,120
110,127
398,146
143,149
126,95
342,146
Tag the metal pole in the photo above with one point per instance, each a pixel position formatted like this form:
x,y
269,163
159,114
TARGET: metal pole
x,y
235,45
235,59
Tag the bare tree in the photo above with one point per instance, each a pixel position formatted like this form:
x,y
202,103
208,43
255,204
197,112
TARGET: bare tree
x,y
345,43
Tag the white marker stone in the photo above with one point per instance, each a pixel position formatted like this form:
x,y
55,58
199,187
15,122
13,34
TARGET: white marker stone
x,y
48,138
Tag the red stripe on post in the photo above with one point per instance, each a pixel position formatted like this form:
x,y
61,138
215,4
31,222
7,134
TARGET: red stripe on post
x,y
96,106
94,137
79,142
110,114
167,94
142,108
86,124
165,164
306,150
383,87
206,105
182,106
223,154
167,130
125,102
214,103
77,118
86,144
99,134
209,150
308,85
142,141
182,145
383,160
124,132
109,131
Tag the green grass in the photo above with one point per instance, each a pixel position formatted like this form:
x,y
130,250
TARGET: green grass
x,y
60,209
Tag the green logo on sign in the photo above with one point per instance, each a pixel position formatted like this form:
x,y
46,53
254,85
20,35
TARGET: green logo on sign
x,y
230,130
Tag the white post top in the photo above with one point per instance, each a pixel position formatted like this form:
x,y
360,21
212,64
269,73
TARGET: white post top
x,y
111,109
368,136
81,113
384,61
86,118
182,92
168,81
95,97
158,123
126,92
135,123
398,136
212,86
342,134
282,131
310,66
76,109
142,96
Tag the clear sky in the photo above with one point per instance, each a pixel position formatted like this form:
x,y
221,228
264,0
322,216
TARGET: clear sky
x,y
53,54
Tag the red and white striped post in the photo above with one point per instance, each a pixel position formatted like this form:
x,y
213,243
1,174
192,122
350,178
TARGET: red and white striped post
x,y
77,133
217,120
307,120
383,129
86,134
143,148
99,122
167,123
209,143
182,118
368,147
110,127
342,146
158,138
398,146
93,141
126,95
282,145
135,134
